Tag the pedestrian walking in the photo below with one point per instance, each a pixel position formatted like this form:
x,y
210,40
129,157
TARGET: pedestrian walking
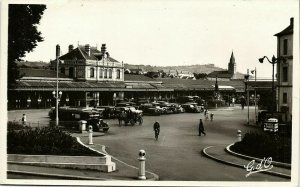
x,y
206,114
201,128
24,119
156,128
211,116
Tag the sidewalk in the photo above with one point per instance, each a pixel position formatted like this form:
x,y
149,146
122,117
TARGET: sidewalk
x,y
219,154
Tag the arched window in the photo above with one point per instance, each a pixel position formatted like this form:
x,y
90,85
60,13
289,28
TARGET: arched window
x,y
110,73
92,72
105,73
101,73
118,74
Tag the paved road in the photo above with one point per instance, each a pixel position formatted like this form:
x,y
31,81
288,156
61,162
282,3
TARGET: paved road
x,y
177,153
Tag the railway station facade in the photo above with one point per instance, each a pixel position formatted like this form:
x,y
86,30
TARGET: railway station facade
x,y
89,77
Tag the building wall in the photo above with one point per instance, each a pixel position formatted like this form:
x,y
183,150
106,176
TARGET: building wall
x,y
285,85
82,70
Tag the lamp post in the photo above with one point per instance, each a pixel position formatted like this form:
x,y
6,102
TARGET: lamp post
x,y
216,91
57,96
273,61
247,89
254,72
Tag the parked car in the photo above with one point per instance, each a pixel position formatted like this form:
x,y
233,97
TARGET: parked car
x,y
176,108
69,115
191,107
149,109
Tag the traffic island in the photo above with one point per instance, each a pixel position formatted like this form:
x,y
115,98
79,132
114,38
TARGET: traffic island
x,y
219,154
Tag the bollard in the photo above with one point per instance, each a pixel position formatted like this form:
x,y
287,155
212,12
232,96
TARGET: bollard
x,y
82,126
142,168
90,135
239,135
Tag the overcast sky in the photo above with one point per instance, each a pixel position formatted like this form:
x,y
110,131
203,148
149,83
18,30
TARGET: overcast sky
x,y
169,32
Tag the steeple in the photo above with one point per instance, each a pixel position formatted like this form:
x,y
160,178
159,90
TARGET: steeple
x,y
232,59
232,65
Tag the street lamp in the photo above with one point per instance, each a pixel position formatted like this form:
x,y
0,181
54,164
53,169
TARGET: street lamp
x,y
216,91
273,61
255,73
57,96
247,89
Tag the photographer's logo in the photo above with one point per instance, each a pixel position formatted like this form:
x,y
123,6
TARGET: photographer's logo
x,y
264,165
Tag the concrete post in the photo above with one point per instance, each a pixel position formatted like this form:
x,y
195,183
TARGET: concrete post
x,y
142,168
90,135
239,135
82,126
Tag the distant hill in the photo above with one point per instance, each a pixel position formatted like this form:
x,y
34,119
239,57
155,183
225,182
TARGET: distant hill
x,y
206,68
33,64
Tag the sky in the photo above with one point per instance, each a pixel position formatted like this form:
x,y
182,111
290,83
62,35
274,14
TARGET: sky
x,y
164,33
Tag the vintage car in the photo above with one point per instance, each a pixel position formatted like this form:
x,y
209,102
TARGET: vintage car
x,y
149,109
191,107
176,108
68,117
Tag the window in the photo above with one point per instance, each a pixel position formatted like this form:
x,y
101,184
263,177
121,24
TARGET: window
x,y
105,73
71,72
62,70
101,73
285,46
110,73
92,72
284,74
284,98
118,74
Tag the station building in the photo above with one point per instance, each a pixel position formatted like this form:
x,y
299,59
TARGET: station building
x,y
90,77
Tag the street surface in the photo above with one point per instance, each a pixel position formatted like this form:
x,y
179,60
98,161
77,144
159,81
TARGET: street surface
x,y
177,153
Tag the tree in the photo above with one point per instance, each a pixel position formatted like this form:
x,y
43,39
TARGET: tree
x,y
23,35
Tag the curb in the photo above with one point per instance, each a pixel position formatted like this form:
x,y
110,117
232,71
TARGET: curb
x,y
241,166
279,164
155,176
54,175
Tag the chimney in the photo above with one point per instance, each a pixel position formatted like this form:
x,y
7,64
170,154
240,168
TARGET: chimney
x,y
292,21
103,49
71,47
57,51
87,49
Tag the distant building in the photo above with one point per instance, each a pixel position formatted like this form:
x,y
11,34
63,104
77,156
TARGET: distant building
x,y
226,75
285,70
88,63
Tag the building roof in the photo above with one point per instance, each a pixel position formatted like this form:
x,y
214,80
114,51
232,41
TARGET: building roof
x,y
288,30
188,84
220,74
134,77
80,54
32,72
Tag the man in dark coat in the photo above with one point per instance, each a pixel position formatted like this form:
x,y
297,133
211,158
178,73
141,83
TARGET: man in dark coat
x,y
201,128
156,128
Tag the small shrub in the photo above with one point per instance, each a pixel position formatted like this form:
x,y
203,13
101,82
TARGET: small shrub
x,y
265,145
51,141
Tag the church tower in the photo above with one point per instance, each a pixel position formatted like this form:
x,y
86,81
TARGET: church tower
x,y
232,65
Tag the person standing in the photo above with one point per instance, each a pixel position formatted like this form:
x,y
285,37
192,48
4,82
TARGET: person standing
x,y
211,116
24,119
201,128
156,128
206,114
